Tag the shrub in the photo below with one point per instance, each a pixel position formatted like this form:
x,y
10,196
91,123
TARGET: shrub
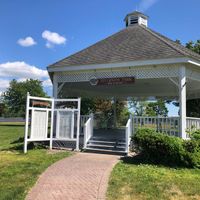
x,y
158,147
163,149
195,135
192,153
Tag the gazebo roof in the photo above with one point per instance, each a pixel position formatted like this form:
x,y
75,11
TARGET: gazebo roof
x,y
134,43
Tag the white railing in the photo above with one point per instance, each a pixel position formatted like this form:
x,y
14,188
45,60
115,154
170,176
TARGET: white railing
x,y
168,125
88,131
83,120
192,123
128,133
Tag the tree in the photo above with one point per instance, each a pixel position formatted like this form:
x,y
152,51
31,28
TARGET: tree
x,y
194,46
15,96
87,106
156,109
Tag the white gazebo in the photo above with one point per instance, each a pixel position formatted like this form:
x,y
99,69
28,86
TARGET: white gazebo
x,y
135,62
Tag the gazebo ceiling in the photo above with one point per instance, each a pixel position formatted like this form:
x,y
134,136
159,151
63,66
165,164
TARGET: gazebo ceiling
x,y
141,89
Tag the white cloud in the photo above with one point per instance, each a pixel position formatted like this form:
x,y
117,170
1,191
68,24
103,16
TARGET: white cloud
x,y
53,38
146,4
47,83
3,84
21,71
26,42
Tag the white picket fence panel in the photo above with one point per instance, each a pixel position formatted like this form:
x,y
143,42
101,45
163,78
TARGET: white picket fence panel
x,y
193,123
42,118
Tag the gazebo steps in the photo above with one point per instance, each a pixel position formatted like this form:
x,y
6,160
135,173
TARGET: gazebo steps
x,y
103,146
107,139
106,145
105,151
106,142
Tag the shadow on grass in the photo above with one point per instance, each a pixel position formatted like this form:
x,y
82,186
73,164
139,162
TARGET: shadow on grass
x,y
19,140
141,159
18,145
136,160
12,125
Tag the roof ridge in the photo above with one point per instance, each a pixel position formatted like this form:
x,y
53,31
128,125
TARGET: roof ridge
x,y
163,40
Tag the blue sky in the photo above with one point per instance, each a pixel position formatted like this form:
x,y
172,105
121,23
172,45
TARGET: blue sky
x,y
36,33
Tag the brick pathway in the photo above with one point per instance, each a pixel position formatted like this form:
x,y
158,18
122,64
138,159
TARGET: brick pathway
x,y
83,176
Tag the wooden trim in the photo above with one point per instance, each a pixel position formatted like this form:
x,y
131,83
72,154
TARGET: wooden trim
x,y
120,65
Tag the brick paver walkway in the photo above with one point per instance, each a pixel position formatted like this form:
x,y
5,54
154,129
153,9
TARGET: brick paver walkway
x,y
83,176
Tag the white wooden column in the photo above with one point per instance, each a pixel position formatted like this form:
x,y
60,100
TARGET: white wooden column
x,y
115,112
26,123
182,101
78,124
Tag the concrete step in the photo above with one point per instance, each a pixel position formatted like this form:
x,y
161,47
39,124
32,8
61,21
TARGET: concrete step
x,y
106,142
107,139
101,146
106,151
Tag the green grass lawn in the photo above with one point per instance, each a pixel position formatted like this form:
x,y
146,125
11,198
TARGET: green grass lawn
x,y
19,172
133,181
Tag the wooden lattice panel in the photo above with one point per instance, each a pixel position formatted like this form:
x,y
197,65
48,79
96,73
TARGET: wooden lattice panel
x,y
137,72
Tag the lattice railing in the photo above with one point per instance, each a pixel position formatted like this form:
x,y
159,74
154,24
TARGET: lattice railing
x,y
168,125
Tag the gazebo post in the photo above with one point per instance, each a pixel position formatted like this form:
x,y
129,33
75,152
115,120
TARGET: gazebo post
x,y
55,87
182,101
115,112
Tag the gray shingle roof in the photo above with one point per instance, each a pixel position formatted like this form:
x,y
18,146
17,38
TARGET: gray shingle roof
x,y
134,43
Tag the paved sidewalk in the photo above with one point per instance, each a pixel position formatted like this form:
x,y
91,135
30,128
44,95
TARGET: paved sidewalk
x,y
83,176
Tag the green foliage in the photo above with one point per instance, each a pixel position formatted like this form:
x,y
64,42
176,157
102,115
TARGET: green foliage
x,y
156,108
193,108
15,96
139,107
194,46
158,147
178,41
104,108
192,153
145,108
87,106
195,135
168,150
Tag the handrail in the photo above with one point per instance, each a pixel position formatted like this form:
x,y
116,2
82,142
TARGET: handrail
x,y
83,120
88,130
128,134
195,118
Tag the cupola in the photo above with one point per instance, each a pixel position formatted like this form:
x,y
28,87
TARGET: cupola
x,y
136,18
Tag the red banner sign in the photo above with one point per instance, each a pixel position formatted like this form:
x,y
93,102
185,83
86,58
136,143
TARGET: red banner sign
x,y
116,81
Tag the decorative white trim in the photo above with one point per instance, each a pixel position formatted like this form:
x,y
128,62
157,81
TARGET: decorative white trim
x,y
120,65
194,62
137,72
